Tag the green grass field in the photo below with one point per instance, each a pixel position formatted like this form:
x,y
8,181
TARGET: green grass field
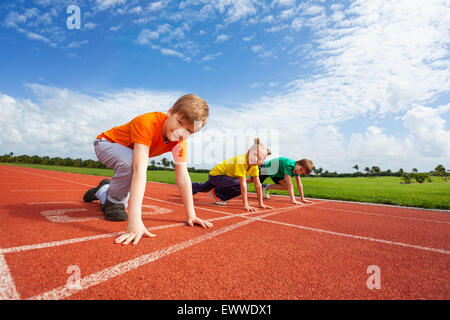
x,y
386,190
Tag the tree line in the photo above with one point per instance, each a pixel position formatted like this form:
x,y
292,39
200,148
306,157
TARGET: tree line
x,y
165,164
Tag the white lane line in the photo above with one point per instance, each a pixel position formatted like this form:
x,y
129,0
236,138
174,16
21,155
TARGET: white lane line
x,y
7,287
33,183
381,205
43,190
121,268
385,215
228,213
42,175
55,202
57,243
346,235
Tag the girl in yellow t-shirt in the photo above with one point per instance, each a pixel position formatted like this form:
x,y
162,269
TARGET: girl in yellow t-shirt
x,y
228,179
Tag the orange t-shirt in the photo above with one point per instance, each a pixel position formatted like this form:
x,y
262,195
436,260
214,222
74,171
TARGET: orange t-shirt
x,y
147,129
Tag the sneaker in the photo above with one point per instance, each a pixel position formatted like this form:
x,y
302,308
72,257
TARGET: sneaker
x,y
265,191
114,211
90,194
216,199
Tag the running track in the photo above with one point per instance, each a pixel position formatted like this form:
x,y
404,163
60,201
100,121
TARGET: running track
x,y
55,246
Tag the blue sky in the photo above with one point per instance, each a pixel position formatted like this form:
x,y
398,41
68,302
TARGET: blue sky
x,y
339,82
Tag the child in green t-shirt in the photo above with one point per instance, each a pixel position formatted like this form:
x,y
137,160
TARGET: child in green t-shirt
x,y
281,170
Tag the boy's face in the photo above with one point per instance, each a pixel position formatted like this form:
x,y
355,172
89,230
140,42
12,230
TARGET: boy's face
x,y
299,169
256,156
176,128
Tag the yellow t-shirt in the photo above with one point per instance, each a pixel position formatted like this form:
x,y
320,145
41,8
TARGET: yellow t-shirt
x,y
235,167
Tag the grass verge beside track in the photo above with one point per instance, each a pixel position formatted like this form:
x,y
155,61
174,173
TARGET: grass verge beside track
x,y
383,190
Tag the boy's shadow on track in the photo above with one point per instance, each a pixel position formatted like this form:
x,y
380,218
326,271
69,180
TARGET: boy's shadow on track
x,y
56,211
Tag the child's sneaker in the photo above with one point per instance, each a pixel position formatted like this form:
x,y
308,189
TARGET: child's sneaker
x,y
265,191
216,199
114,211
90,194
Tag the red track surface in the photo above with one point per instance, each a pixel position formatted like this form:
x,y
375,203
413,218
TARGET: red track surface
x,y
318,251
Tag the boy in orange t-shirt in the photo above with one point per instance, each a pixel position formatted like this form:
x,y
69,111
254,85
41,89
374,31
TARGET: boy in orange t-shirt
x,y
127,148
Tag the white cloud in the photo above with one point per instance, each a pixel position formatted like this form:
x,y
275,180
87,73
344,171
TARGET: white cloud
x,y
77,44
284,3
210,57
427,130
106,4
261,51
249,38
255,85
13,19
286,14
60,122
297,24
33,36
222,38
375,145
146,35
89,26
313,10
115,28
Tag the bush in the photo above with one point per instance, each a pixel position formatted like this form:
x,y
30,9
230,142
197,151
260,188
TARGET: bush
x,y
406,178
420,177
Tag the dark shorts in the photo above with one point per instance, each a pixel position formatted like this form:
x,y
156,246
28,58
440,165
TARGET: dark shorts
x,y
276,180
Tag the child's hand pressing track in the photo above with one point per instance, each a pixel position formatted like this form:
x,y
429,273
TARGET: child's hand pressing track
x,y
135,231
196,220
251,209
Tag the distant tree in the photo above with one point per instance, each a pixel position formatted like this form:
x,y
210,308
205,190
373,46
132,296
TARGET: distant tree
x,y
414,170
356,167
375,170
441,172
420,177
367,169
406,177
165,162
317,171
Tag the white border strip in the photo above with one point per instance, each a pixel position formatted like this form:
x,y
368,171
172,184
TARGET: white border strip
x,y
7,287
356,237
384,215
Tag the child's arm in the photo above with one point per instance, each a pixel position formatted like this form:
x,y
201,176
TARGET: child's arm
x,y
243,182
300,189
136,228
290,188
185,186
259,194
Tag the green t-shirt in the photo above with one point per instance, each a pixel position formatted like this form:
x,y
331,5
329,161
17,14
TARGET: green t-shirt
x,y
278,167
